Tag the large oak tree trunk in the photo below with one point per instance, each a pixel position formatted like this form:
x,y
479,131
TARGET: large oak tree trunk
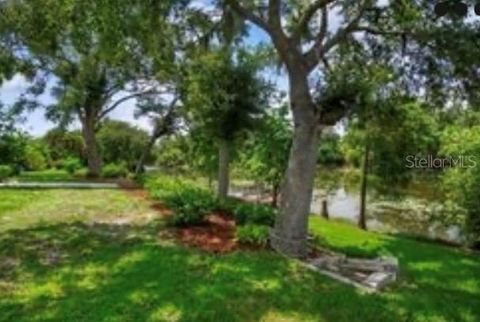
x,y
223,168
289,235
362,218
93,156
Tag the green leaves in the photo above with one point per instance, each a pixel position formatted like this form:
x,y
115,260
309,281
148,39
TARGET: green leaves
x,y
223,97
395,128
257,235
265,153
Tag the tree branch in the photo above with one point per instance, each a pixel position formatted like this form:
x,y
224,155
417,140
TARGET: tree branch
x,y
249,15
274,14
308,15
374,31
123,100
324,25
319,49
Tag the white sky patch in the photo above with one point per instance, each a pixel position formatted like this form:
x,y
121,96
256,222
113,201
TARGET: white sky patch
x,y
13,87
37,125
202,4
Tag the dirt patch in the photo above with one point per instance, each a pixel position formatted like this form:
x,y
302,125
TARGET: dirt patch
x,y
217,235
137,193
8,265
161,209
158,207
128,184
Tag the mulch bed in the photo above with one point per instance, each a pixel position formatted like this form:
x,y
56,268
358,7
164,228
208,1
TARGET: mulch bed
x,y
217,235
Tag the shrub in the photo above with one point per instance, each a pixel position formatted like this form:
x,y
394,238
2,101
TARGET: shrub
x,y
71,165
113,170
5,172
12,148
120,142
189,202
246,213
190,205
162,186
253,234
64,144
81,173
34,158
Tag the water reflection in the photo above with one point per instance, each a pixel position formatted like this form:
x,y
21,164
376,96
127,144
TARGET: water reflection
x,y
417,209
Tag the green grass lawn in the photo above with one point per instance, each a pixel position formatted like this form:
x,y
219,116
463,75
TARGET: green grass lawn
x,y
51,175
30,208
69,267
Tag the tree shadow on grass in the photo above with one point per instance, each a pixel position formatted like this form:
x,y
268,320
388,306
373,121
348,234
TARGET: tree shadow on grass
x,y
437,282
80,272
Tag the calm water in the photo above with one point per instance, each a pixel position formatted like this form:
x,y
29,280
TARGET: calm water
x,y
417,210
408,215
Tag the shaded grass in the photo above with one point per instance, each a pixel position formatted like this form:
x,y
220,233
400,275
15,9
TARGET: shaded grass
x,y
83,271
107,275
437,283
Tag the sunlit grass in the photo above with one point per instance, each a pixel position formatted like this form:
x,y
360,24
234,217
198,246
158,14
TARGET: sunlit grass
x,y
81,271
50,175
27,208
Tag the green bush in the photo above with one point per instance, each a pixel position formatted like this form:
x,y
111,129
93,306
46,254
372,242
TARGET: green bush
x,y
189,202
34,158
253,234
113,170
120,142
190,205
247,213
71,165
81,173
162,186
5,172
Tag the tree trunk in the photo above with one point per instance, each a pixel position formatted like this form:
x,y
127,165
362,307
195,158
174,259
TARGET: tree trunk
x,y
362,218
93,156
210,181
289,235
223,168
145,153
275,188
325,213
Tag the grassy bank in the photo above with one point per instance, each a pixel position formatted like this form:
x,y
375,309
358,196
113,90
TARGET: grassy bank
x,y
78,264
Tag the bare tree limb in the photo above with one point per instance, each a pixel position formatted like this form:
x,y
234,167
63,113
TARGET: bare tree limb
x,y
249,15
374,31
319,49
123,100
308,15
324,25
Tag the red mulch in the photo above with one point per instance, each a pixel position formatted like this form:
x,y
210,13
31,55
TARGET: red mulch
x,y
162,209
218,235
